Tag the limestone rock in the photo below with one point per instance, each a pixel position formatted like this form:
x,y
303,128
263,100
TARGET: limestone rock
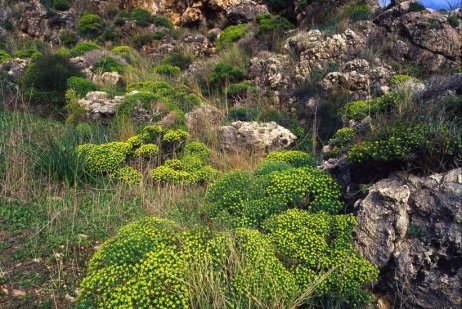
x,y
99,105
411,228
107,79
203,117
252,136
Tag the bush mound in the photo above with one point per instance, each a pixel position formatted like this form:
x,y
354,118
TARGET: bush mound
x,y
90,24
231,34
83,47
81,86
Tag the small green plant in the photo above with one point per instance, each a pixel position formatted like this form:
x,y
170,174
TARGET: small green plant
x,y
64,52
267,23
402,79
128,175
4,56
240,89
76,112
68,38
61,5
415,231
108,64
161,21
90,24
454,21
147,150
435,25
357,12
177,59
293,157
104,158
83,47
231,34
341,140
167,70
243,113
141,17
145,38
358,110
416,6
224,74
81,86
123,51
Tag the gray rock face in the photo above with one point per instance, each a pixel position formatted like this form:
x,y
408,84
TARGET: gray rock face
x,y
99,105
245,11
243,137
204,116
411,228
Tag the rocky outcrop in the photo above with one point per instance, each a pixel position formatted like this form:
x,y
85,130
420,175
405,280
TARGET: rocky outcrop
x,y
99,105
202,118
107,79
257,137
411,228
199,11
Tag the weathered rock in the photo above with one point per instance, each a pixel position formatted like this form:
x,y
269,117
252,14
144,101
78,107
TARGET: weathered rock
x,y
99,105
204,117
411,228
107,79
253,136
245,11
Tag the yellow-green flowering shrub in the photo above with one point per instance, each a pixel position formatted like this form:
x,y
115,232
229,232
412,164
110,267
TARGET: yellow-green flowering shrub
x,y
147,150
293,157
358,110
165,174
341,139
128,175
175,136
269,166
104,158
311,245
135,141
151,134
197,149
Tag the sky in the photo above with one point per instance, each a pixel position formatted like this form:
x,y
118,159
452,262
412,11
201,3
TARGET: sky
x,y
434,4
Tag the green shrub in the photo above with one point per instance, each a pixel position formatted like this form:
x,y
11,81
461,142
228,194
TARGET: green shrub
x,y
267,23
402,79
108,36
293,157
141,17
270,166
45,79
341,139
416,6
4,56
358,110
454,21
147,150
64,52
167,70
175,136
61,5
161,21
25,53
358,11
176,59
224,73
145,38
81,86
108,64
123,51
104,158
313,244
68,38
243,113
240,89
90,24
83,47
231,34
76,112
197,149
129,175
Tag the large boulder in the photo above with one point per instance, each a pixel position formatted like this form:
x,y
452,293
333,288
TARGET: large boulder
x,y
100,105
203,117
255,137
411,228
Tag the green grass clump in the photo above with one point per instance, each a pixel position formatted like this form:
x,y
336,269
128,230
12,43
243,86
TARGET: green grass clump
x,y
224,74
104,158
177,59
108,64
124,51
358,110
402,79
68,38
268,23
314,244
358,11
416,6
454,21
83,47
90,24
294,157
167,70
4,56
231,34
240,89
81,86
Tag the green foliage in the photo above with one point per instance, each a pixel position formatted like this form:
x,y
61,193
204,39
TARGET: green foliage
x,y
81,85
167,70
175,136
267,23
409,144
415,231
402,79
358,110
68,38
108,36
141,17
358,11
145,38
231,34
341,139
454,21
243,113
197,149
242,199
4,56
129,175
416,6
90,24
64,52
147,150
124,51
161,21
83,47
314,244
76,112
45,79
108,64
240,89
224,74
104,158
293,157
177,59
61,5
